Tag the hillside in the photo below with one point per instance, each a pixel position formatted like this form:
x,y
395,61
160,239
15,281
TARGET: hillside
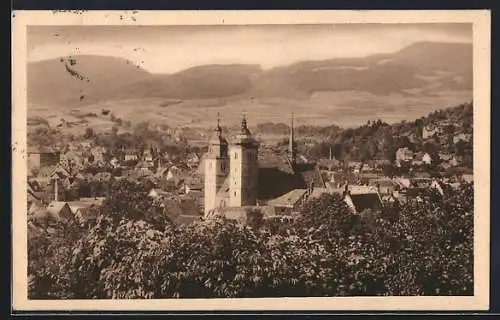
x,y
418,68
78,80
202,82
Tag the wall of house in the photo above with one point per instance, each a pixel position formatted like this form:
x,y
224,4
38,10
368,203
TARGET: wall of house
x,y
49,159
33,161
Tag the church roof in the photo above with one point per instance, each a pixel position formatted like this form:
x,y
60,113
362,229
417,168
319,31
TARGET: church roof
x,y
289,199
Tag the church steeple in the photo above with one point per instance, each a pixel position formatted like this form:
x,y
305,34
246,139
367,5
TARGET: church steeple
x,y
244,129
218,145
218,128
292,152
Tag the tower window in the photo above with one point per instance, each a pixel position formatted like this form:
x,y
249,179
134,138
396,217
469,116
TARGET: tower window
x,y
235,193
236,155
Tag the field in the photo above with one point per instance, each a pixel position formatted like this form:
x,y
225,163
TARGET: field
x,y
345,109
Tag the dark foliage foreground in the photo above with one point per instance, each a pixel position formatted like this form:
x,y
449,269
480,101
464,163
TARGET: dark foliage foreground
x,y
420,248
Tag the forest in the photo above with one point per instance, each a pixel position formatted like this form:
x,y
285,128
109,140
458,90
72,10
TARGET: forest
x,y
373,140
132,250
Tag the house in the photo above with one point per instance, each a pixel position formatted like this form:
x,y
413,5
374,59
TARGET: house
x,y
445,157
246,214
367,167
71,158
361,198
426,158
422,174
147,155
156,193
429,131
131,155
403,183
82,208
290,200
404,154
102,176
329,164
391,198
42,157
467,178
193,184
172,173
421,183
421,158
60,210
144,166
384,186
354,164
379,163
193,160
114,162
454,162
462,137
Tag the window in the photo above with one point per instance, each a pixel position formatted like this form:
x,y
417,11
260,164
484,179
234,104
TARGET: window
x,y
236,155
235,193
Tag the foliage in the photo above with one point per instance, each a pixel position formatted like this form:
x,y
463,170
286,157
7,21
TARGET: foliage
x,y
379,140
415,248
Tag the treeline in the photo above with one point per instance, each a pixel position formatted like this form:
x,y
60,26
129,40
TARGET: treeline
x,y
133,251
379,140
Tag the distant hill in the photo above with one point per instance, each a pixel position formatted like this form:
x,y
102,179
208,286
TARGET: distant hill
x,y
202,82
79,79
420,69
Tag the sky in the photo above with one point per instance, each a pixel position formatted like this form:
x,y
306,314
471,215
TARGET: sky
x,y
169,49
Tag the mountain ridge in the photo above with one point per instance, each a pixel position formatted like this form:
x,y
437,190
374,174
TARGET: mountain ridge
x,y
420,68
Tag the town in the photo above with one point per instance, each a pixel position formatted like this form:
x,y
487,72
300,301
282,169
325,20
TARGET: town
x,y
197,183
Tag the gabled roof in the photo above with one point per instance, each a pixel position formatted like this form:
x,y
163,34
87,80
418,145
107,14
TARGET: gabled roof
x,y
383,183
317,192
41,149
55,207
356,189
365,201
289,199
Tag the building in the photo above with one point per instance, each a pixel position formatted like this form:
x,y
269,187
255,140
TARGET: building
x,y
357,197
361,201
467,178
216,170
426,158
465,137
243,164
242,174
42,157
384,186
430,131
131,155
60,210
404,155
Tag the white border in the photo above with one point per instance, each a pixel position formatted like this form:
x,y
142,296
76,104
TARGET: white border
x,y
481,42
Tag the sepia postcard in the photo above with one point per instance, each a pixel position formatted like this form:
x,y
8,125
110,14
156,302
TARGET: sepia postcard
x,y
251,160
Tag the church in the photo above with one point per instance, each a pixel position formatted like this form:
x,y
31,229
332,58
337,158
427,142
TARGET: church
x,y
238,177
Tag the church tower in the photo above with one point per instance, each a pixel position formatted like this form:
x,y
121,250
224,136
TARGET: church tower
x,y
292,151
216,167
244,168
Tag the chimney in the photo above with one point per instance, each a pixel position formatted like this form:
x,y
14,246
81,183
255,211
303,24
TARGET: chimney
x,y
56,191
291,145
